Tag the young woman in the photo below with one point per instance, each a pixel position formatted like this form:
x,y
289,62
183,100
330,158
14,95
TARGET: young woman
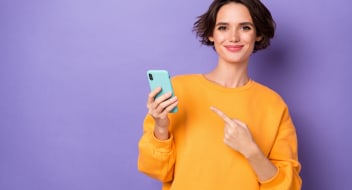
x,y
230,132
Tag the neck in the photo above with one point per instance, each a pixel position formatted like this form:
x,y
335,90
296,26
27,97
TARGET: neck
x,y
230,76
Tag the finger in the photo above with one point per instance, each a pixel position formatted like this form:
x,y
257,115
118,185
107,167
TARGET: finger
x,y
222,115
152,94
163,110
164,104
229,129
163,98
239,123
170,106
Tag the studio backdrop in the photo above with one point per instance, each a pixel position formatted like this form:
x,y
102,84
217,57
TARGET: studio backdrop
x,y
73,86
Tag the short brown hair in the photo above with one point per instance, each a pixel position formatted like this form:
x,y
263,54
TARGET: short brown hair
x,y
262,19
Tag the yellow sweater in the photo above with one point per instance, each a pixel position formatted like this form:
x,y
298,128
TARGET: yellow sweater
x,y
195,156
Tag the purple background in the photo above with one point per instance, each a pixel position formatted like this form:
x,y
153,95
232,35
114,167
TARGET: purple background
x,y
73,86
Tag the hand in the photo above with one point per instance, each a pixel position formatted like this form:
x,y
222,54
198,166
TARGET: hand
x,y
236,134
159,108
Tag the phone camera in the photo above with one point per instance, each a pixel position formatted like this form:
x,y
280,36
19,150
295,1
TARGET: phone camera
x,y
150,76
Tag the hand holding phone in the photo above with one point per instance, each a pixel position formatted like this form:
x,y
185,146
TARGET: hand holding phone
x,y
161,78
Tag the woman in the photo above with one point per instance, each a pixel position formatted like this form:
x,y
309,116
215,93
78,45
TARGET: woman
x,y
230,132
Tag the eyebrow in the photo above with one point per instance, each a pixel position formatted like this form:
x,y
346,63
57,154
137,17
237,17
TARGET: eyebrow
x,y
241,24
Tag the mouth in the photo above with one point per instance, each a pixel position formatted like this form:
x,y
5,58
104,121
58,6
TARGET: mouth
x,y
234,48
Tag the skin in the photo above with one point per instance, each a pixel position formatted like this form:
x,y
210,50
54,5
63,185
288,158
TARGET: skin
x,y
159,109
234,37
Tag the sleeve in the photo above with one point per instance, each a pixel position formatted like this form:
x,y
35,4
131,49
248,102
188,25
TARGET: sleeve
x,y
284,156
156,158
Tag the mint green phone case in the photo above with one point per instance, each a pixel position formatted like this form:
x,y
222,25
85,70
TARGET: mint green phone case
x,y
161,78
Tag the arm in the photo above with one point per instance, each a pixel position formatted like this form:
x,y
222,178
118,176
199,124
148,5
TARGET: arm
x,y
281,168
284,156
238,137
156,157
156,146
261,165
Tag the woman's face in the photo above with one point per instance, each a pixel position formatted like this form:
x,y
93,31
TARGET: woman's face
x,y
234,34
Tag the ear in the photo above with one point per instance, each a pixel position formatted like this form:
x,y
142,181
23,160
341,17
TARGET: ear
x,y
210,38
259,38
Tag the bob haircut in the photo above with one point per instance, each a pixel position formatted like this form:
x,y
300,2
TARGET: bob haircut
x,y
261,16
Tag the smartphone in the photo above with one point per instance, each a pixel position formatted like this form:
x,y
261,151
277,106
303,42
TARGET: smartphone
x,y
161,78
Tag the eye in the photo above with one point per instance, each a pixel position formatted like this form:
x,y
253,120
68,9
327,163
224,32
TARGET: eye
x,y
246,28
222,28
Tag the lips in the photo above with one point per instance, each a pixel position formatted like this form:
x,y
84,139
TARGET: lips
x,y
234,48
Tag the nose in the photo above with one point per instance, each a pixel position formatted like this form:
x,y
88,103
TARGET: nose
x,y
235,37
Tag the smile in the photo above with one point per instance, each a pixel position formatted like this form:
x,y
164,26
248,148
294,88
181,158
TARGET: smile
x,y
234,48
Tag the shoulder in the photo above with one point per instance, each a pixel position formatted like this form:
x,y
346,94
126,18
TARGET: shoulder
x,y
267,94
187,79
184,85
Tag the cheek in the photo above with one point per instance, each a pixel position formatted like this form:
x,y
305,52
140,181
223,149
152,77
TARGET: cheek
x,y
219,38
250,38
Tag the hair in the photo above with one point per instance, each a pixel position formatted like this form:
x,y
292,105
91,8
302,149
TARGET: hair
x,y
261,16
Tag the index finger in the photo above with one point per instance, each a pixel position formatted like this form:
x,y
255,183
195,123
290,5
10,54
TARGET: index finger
x,y
221,114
